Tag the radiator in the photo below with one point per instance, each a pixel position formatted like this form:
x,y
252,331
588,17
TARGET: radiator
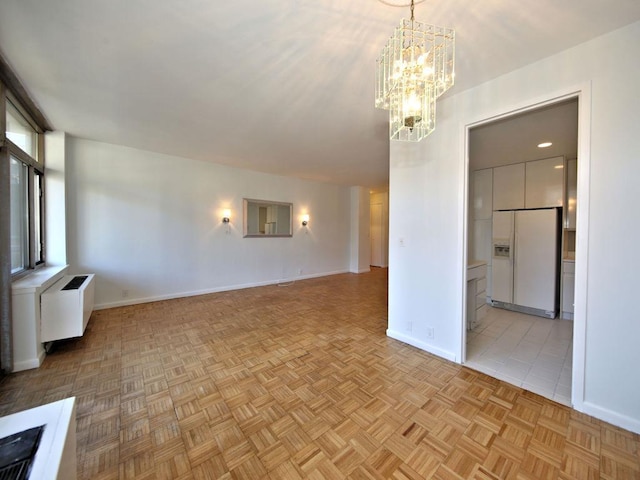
x,y
66,306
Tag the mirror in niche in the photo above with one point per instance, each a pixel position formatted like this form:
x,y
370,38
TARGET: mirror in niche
x,y
263,218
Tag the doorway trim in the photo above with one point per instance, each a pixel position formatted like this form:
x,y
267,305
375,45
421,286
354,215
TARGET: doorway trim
x,y
582,93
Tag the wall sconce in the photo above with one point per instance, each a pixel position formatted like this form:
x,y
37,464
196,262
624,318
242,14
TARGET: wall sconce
x,y
305,219
226,219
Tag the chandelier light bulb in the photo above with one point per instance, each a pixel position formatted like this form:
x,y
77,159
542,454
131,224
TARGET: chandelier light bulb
x,y
412,104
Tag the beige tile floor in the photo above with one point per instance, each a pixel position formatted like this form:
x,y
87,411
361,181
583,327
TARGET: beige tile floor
x,y
531,352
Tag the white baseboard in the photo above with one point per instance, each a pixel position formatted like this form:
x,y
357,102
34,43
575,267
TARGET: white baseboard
x,y
226,288
422,345
614,418
29,364
362,270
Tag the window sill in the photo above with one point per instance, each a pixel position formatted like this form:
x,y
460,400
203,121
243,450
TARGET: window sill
x,y
39,279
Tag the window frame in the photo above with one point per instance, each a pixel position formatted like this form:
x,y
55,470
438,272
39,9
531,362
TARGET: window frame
x,y
36,251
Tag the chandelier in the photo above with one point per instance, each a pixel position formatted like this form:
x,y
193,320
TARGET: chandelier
x,y
415,67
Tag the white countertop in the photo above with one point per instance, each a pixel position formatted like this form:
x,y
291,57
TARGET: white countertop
x,y
475,263
51,461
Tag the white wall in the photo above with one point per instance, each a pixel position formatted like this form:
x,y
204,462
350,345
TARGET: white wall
x,y
149,225
55,146
427,204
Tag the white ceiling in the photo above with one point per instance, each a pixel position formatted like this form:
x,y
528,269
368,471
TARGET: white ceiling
x,y
278,86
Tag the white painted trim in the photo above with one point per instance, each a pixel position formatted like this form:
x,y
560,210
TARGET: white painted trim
x,y
30,363
583,93
363,270
614,418
527,105
464,221
582,249
422,345
157,298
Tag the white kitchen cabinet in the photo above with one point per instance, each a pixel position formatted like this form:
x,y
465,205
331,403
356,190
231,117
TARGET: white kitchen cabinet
x,y
544,180
572,191
568,287
476,293
508,187
482,240
482,194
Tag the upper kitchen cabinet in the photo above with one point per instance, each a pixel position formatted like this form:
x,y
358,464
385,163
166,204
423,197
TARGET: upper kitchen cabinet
x,y
544,182
508,187
482,194
572,190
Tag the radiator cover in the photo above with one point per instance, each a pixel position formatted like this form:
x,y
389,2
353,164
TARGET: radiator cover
x,y
66,306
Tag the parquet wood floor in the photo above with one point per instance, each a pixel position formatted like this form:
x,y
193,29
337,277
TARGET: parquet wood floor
x,y
300,382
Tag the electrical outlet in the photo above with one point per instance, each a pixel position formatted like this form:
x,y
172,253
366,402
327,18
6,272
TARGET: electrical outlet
x,y
125,293
401,241
299,271
430,332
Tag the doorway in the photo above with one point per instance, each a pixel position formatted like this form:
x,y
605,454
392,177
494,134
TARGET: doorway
x,y
379,228
529,351
376,235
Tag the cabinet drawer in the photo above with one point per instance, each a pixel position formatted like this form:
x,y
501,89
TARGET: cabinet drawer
x,y
481,286
481,299
477,272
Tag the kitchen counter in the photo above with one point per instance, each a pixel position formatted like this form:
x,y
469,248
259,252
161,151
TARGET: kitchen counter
x,y
475,263
56,454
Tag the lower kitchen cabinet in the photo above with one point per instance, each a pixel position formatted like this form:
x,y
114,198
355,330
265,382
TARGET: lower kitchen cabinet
x,y
476,293
568,286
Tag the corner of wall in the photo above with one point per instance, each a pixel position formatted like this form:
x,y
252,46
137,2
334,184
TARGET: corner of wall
x,y
55,191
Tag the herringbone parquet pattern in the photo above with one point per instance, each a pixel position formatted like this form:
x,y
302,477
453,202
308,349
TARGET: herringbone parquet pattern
x,y
300,382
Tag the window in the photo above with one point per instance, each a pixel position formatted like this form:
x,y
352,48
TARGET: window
x,y
20,132
19,216
38,216
23,151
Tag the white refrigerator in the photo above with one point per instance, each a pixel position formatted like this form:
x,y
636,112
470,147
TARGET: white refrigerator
x,y
526,260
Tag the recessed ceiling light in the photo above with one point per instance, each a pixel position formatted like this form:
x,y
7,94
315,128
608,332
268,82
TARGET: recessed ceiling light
x,y
544,144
